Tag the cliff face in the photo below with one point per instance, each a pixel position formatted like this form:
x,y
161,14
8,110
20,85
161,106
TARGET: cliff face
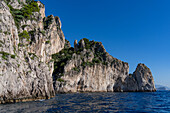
x,y
37,61
140,80
26,45
88,67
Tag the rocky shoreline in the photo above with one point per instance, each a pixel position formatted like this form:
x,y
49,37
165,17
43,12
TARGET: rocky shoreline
x,y
37,61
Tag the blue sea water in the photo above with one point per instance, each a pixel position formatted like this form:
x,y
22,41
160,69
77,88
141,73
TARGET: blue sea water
x,y
96,102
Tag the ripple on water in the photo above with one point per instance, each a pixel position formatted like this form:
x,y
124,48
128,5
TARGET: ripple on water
x,y
96,102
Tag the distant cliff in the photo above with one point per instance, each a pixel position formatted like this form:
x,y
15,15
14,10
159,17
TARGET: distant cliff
x,y
162,88
89,68
37,61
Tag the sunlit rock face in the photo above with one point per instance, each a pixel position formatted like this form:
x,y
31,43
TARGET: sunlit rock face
x,y
26,46
140,80
89,68
37,61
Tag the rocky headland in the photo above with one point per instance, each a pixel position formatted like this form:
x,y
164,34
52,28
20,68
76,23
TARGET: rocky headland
x,y
38,62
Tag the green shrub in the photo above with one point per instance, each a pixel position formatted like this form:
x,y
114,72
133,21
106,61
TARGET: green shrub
x,y
6,32
62,64
7,1
60,60
55,67
32,56
78,52
76,69
70,52
32,32
67,44
20,45
115,61
25,12
23,35
87,46
84,64
19,1
29,1
60,80
86,41
4,55
105,63
13,56
15,13
95,60
47,21
24,26
1,42
47,42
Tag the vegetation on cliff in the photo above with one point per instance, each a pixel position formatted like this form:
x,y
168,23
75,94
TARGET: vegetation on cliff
x,y
29,53
47,21
60,60
90,53
25,35
25,13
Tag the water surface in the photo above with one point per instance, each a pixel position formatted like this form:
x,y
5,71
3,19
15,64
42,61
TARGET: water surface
x,y
96,102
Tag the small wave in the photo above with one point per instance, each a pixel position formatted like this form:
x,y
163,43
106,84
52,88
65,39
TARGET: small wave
x,y
42,100
96,102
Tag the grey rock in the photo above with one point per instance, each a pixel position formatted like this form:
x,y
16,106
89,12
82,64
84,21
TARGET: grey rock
x,y
141,80
26,71
82,44
67,44
27,68
75,45
83,73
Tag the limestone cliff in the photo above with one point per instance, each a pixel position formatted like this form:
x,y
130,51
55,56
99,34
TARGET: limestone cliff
x,y
89,68
37,61
140,80
27,41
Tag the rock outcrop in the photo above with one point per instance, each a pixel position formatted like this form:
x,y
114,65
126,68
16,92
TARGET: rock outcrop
x,y
91,69
140,80
37,61
26,45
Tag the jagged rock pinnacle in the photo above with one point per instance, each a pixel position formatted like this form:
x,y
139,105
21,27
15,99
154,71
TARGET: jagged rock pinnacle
x,y
75,45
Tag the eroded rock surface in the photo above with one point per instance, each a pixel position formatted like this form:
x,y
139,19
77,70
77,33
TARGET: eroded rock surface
x,y
140,80
89,68
26,47
37,61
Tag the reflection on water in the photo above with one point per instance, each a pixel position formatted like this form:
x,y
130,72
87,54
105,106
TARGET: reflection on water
x,y
96,102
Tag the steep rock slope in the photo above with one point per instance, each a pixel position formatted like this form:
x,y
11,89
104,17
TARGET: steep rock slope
x,y
141,80
89,68
37,61
27,40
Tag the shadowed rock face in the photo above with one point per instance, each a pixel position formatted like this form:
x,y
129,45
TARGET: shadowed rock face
x,y
140,80
92,69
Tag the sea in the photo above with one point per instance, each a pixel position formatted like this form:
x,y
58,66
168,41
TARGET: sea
x,y
111,102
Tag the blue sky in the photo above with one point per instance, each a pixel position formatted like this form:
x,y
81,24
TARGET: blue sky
x,y
134,31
